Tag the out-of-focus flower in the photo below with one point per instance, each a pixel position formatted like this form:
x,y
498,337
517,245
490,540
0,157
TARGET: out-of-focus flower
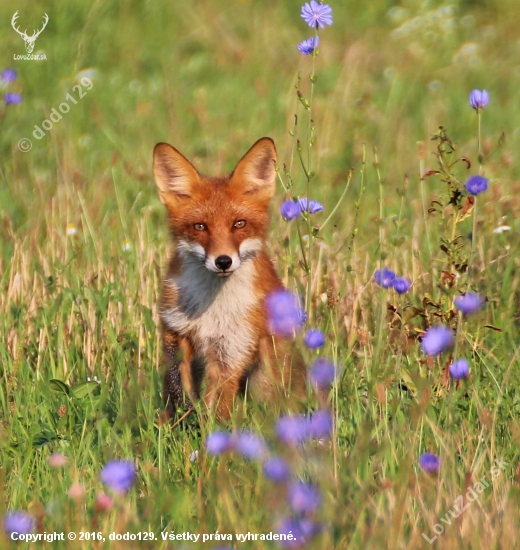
x,y
429,462
502,229
476,185
103,502
76,491
320,424
284,313
12,98
384,277
290,210
303,497
276,469
322,373
119,475
316,14
314,338
479,99
437,339
218,442
469,303
57,460
70,230
18,522
459,369
312,207
306,47
292,430
297,530
8,76
250,445
402,285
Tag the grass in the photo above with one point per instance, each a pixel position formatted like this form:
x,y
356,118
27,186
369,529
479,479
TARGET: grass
x,y
84,242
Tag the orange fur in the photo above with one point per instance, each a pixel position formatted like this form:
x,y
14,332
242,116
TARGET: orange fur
x,y
214,321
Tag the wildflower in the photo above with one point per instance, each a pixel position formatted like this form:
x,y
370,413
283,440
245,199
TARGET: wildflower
x,y
290,210
429,462
316,14
218,442
57,460
303,497
103,502
284,313
322,373
276,469
70,230
436,340
459,369
308,46
312,207
320,424
8,76
314,338
401,285
469,303
476,185
384,277
250,445
76,491
297,530
18,522
479,99
11,98
119,475
292,429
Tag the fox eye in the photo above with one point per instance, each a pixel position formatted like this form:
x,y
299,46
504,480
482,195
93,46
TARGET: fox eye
x,y
199,227
239,224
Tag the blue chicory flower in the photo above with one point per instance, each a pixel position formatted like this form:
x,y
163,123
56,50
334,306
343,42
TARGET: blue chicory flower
x,y
303,497
312,207
476,185
321,424
297,530
290,210
219,442
18,522
384,277
119,475
322,373
308,46
314,338
284,313
429,462
469,303
8,76
276,469
292,429
250,445
12,98
459,369
436,340
316,14
479,99
402,285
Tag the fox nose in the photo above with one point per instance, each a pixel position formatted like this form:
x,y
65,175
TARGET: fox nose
x,y
223,262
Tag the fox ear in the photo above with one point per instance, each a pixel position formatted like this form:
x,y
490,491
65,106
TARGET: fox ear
x,y
255,173
174,175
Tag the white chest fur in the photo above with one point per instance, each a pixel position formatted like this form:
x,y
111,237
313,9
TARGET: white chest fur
x,y
214,311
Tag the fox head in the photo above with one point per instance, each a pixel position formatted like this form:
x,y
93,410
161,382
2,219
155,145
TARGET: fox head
x,y
220,221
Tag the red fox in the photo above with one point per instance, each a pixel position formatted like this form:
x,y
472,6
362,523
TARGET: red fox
x,y
212,308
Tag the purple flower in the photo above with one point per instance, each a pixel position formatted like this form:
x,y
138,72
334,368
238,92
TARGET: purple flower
x,y
322,373
297,530
18,522
303,497
292,429
476,185
8,75
313,207
436,340
316,14
459,369
401,285
276,469
469,303
250,445
11,98
218,442
320,424
314,338
429,462
478,99
290,210
119,475
284,313
384,277
308,46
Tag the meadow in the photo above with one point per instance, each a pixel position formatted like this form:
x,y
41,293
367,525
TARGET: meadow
x,y
384,137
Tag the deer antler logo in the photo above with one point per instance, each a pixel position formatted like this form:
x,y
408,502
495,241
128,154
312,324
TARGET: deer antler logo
x,y
29,40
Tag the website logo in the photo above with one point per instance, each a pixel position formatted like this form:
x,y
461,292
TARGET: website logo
x,y
29,40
